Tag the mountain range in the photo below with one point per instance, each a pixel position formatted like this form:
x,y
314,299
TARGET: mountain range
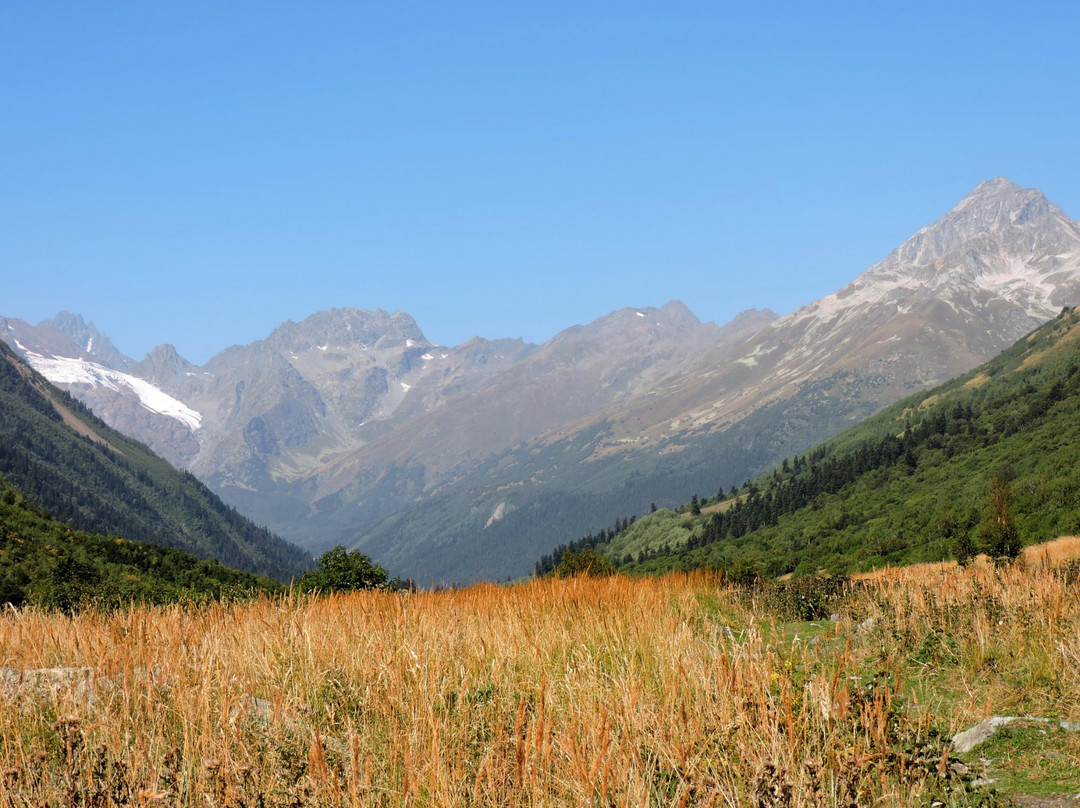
x,y
458,463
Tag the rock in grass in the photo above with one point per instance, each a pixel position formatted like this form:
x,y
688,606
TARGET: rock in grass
x,y
968,739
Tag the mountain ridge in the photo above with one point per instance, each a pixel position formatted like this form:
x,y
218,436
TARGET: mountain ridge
x,y
349,426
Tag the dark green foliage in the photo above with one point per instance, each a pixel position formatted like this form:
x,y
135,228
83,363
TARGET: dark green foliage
x,y
110,484
44,562
549,563
341,571
909,484
587,562
743,573
964,549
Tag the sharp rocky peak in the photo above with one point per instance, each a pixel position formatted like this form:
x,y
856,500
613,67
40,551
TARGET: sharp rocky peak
x,y
163,365
998,212
83,339
1000,240
72,325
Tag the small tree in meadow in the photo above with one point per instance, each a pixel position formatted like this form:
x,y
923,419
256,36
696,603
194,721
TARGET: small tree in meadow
x,y
999,534
342,571
587,562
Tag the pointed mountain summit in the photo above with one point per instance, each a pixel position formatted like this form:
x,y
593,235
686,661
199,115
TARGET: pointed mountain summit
x,y
163,366
94,345
1001,262
66,336
1000,238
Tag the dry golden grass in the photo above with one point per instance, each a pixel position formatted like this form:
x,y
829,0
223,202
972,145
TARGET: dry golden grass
x,y
1053,552
1048,554
606,692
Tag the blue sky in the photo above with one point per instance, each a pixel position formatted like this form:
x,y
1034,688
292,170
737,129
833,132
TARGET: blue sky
x,y
197,173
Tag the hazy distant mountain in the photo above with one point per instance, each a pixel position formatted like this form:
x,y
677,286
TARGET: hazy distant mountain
x,y
1000,263
468,462
357,412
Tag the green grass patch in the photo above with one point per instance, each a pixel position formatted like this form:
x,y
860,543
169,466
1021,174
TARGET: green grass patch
x,y
1031,758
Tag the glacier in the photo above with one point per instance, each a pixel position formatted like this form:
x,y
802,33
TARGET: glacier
x,y
64,371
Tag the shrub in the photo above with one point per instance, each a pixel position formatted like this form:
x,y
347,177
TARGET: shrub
x,y
586,562
342,571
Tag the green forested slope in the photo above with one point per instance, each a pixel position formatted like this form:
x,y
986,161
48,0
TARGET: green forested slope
x,y
44,562
93,478
906,485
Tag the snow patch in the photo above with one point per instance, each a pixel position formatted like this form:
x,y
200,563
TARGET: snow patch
x,y
405,387
1021,284
63,371
749,361
427,357
444,355
322,347
639,313
409,343
496,515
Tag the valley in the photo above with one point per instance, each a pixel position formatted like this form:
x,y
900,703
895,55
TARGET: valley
x,y
802,636
455,464
563,405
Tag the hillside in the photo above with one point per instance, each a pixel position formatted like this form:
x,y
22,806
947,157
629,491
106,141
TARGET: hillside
x,y
904,486
91,477
43,562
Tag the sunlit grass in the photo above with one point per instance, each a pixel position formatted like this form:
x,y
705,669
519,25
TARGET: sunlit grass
x,y
616,691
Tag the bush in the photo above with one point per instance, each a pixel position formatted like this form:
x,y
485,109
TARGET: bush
x,y
964,548
587,562
342,571
810,598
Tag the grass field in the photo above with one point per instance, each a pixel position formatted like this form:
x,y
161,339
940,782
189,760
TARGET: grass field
x,y
581,692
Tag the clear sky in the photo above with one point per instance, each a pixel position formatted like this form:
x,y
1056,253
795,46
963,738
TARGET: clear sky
x,y
199,172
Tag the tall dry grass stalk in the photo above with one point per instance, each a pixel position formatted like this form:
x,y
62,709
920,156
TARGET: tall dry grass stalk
x,y
609,692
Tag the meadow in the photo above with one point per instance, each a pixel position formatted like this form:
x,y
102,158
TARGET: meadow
x,y
678,690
